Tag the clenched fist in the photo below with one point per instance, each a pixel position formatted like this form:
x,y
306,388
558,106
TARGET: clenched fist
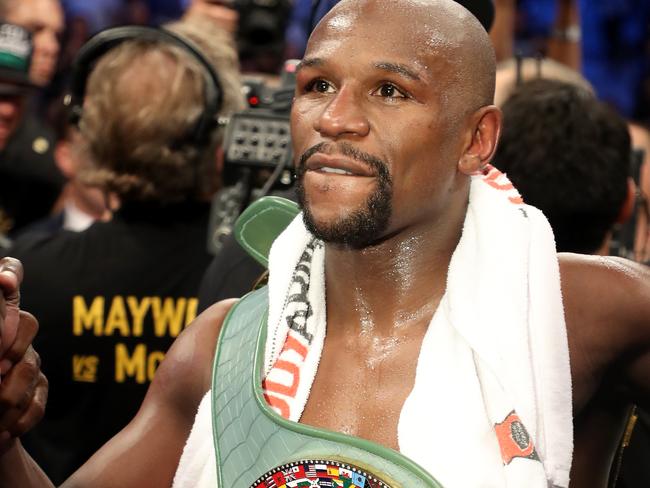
x,y
23,387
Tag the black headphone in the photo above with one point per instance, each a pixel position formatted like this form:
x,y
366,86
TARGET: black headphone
x,y
106,40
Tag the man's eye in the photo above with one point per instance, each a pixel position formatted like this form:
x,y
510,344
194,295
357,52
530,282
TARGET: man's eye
x,y
388,90
320,86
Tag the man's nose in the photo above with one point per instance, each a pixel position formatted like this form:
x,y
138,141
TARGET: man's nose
x,y
343,115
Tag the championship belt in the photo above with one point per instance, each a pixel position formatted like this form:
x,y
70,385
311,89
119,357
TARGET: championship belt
x,y
257,448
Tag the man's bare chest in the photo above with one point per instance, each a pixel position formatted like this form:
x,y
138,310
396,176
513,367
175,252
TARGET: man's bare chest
x,y
362,392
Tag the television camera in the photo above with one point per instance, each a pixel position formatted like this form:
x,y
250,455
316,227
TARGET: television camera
x,y
257,152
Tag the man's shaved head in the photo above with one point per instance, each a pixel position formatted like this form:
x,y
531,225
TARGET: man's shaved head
x,y
443,29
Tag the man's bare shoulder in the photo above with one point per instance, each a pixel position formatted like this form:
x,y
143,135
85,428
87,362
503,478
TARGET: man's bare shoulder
x,y
187,368
607,310
605,287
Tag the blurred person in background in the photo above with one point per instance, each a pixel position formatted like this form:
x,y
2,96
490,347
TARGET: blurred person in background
x,y
112,298
81,204
44,19
30,182
15,86
569,155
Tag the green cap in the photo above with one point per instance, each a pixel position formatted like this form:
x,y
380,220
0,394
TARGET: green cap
x,y
15,58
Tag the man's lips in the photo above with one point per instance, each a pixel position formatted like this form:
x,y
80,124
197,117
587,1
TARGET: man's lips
x,y
338,165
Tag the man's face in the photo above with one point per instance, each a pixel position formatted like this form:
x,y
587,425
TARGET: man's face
x,y
375,139
44,19
11,109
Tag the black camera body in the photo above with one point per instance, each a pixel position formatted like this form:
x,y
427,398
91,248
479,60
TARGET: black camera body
x,y
257,150
259,136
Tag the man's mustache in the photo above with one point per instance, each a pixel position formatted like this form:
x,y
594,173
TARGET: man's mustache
x,y
347,150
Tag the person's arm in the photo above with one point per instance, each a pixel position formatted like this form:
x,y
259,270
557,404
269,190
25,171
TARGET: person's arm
x,y
502,32
17,468
641,141
146,452
635,311
607,308
564,45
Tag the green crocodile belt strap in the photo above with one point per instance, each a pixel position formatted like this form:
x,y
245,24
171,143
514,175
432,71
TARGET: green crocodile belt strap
x,y
250,439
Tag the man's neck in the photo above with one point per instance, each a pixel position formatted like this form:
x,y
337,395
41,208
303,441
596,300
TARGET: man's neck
x,y
86,200
395,284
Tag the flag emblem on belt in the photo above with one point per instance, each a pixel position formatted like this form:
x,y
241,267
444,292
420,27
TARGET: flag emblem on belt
x,y
313,473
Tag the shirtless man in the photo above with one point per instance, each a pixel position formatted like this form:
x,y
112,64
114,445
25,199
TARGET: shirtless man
x,y
410,82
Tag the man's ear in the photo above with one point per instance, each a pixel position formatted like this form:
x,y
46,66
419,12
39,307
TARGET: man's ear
x,y
64,159
485,126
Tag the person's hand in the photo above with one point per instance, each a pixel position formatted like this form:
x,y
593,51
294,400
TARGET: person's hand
x,y
217,11
23,387
11,275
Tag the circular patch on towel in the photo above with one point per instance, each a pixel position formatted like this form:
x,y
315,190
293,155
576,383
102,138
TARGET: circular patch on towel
x,y
316,473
